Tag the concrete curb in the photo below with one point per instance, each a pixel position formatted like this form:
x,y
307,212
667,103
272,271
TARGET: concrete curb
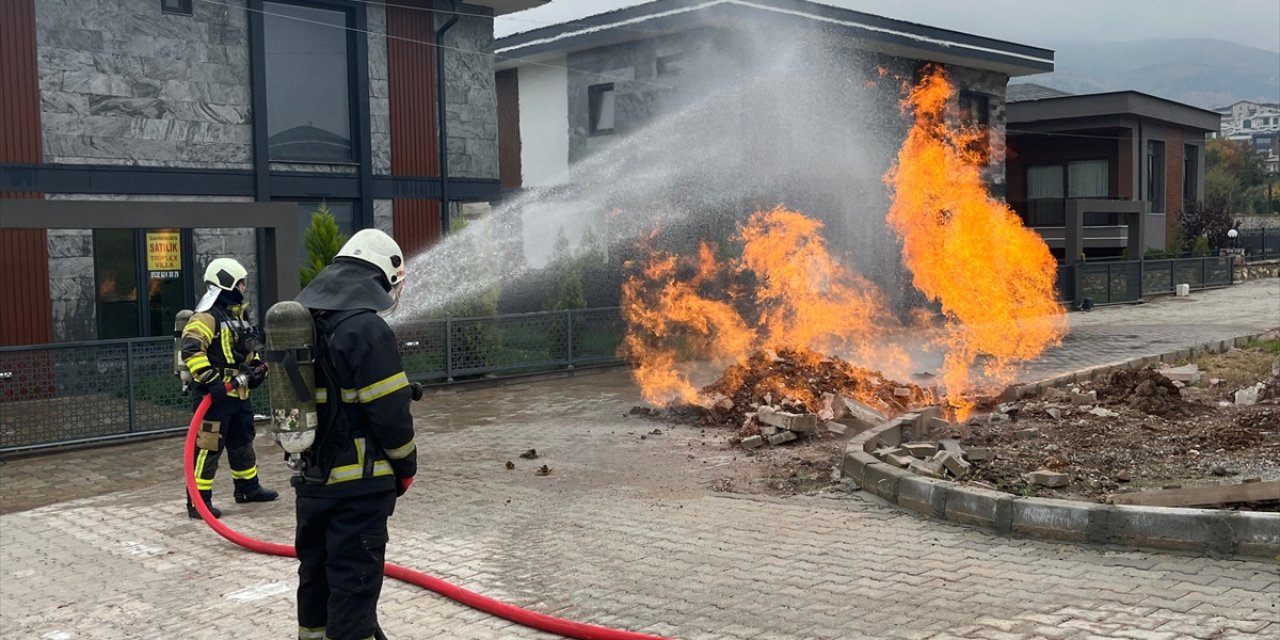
x,y
1217,532
1019,391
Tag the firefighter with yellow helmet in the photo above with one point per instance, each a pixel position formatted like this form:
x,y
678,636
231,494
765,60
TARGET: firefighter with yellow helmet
x,y
219,345
364,455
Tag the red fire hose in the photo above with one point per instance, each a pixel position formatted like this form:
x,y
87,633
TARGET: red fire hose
x,y
539,621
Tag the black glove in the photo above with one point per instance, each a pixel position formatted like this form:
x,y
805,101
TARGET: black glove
x,y
217,390
257,373
415,388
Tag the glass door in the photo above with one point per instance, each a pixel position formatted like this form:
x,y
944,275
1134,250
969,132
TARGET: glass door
x,y
115,265
142,280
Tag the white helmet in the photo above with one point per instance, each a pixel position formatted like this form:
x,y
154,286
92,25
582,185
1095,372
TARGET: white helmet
x,y
224,273
378,249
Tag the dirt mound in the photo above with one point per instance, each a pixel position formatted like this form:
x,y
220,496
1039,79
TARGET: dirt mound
x,y
1142,389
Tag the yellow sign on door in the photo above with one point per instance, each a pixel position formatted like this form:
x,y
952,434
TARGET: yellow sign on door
x,y
164,251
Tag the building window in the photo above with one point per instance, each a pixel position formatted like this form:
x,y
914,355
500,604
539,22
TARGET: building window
x,y
974,110
176,7
1089,179
1155,175
1190,166
974,113
155,258
1045,204
600,101
1049,186
671,65
308,83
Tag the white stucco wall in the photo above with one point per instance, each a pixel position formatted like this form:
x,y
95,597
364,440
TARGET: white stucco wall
x,y
544,124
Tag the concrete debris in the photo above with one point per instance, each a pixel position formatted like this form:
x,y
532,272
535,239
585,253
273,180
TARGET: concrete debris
x,y
900,461
1079,399
1103,413
997,418
1054,412
951,446
1275,368
902,392
979,455
753,442
954,463
930,468
858,416
921,449
831,407
782,437
836,427
1187,374
801,422
1027,434
1046,478
1249,395
942,459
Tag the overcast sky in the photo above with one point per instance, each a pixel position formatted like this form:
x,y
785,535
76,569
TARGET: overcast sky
x,y
1255,23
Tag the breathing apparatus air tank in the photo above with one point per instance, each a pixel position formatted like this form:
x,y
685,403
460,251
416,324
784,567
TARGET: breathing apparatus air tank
x,y
290,335
180,367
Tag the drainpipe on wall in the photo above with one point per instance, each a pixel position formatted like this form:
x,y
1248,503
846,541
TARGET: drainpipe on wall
x,y
444,126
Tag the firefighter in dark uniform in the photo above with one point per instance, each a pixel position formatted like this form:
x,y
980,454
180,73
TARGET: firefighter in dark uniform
x,y
364,457
219,345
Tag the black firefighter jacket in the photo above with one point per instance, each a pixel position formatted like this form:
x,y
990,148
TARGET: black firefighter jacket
x,y
368,446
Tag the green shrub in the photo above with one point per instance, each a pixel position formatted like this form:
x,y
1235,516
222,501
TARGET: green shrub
x,y
323,240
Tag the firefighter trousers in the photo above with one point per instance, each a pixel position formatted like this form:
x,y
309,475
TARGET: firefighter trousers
x,y
341,545
233,418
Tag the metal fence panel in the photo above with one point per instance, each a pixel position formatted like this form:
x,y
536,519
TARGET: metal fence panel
x,y
597,334
1259,244
1130,280
76,392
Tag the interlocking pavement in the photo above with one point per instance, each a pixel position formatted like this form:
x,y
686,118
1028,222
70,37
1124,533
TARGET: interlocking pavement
x,y
624,532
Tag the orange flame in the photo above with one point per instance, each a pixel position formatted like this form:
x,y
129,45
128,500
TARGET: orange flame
x,y
800,298
993,277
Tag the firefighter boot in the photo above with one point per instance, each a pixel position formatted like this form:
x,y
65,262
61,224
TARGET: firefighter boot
x,y
207,496
253,491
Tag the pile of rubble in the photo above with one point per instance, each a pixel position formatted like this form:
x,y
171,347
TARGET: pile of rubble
x,y
796,381
783,423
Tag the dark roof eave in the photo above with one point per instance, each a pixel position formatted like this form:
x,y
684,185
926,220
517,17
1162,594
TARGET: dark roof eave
x,y
1116,103
671,16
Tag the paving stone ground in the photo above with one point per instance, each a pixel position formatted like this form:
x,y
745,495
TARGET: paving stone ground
x,y
624,532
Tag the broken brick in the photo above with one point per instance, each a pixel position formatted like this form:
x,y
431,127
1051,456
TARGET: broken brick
x,y
921,449
782,437
1046,478
802,422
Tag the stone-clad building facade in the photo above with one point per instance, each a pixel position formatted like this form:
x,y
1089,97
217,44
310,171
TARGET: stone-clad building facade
x,y
229,101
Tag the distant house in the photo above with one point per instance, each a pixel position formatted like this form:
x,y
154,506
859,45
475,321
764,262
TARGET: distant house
x,y
1122,161
550,119
1258,124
